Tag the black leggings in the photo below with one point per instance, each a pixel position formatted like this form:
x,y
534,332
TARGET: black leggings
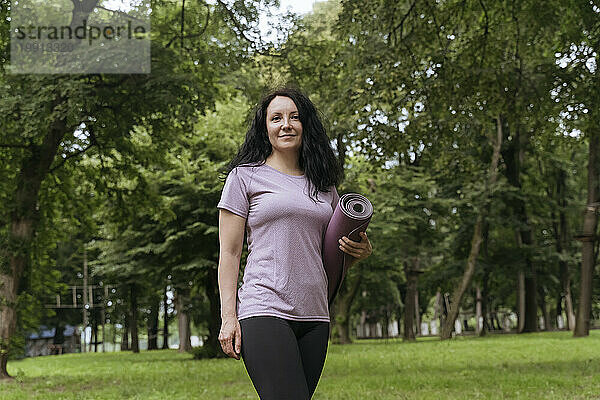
x,y
284,358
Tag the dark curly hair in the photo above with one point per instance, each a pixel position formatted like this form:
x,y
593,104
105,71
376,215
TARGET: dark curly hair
x,y
316,157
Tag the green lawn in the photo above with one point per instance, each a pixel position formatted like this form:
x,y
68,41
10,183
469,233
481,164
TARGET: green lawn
x,y
532,366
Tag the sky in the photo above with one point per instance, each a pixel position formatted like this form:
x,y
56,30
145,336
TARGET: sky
x,y
297,6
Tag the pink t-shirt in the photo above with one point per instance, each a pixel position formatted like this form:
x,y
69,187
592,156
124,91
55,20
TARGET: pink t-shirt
x,y
284,274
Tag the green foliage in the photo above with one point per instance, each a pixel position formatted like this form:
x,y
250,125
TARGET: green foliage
x,y
410,94
204,352
117,138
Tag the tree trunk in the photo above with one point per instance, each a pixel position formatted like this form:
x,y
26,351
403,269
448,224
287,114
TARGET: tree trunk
x,y
439,310
22,228
478,313
95,328
520,300
114,337
561,236
476,239
588,237
342,304
385,326
411,273
417,313
513,156
183,323
569,305
544,309
483,294
531,315
211,287
165,344
565,280
133,313
153,324
125,339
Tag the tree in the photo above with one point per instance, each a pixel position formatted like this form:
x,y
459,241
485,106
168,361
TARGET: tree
x,y
51,121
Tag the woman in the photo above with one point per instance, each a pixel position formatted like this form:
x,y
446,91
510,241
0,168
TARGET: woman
x,y
280,188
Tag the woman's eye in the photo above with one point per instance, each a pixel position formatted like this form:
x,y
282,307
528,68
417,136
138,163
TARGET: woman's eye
x,y
275,119
295,117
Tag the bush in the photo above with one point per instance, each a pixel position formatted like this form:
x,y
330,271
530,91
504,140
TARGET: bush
x,y
202,352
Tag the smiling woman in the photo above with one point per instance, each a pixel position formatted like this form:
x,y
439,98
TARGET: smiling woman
x,y
285,134
280,190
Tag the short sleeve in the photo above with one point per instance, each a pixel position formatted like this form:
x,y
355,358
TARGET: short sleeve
x,y
336,198
234,196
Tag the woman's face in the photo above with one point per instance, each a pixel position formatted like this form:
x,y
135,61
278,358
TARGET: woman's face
x,y
283,124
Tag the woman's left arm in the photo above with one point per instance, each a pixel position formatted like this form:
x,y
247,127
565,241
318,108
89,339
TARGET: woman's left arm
x,y
358,250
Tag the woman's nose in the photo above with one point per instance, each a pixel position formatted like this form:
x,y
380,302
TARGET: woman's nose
x,y
286,123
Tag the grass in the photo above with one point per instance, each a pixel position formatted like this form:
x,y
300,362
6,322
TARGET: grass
x,y
530,366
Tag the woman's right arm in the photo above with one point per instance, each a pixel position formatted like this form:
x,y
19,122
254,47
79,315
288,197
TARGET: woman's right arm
x,y
231,238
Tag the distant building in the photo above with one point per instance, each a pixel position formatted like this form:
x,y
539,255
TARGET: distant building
x,y
43,343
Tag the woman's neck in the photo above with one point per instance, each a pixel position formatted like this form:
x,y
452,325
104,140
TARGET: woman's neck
x,y
286,163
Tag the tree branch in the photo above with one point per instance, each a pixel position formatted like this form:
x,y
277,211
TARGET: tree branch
x,y
121,13
93,143
182,21
485,34
401,24
70,156
190,36
241,30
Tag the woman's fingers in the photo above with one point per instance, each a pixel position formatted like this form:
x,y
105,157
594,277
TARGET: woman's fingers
x,y
225,344
228,345
351,251
230,337
360,249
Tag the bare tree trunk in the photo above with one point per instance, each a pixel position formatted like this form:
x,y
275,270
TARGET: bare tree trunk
x,y
565,281
183,323
135,344
125,338
342,304
153,324
95,328
531,316
211,286
513,155
588,237
520,300
544,309
412,275
483,294
527,280
569,305
439,301
561,229
385,326
417,313
478,313
165,344
477,238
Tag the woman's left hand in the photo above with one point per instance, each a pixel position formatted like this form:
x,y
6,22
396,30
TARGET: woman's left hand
x,y
358,250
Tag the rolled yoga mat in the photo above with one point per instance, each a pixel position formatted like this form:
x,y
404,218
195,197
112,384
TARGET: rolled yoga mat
x,y
351,216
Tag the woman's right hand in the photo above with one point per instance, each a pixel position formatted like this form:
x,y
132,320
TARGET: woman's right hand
x,y
230,337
